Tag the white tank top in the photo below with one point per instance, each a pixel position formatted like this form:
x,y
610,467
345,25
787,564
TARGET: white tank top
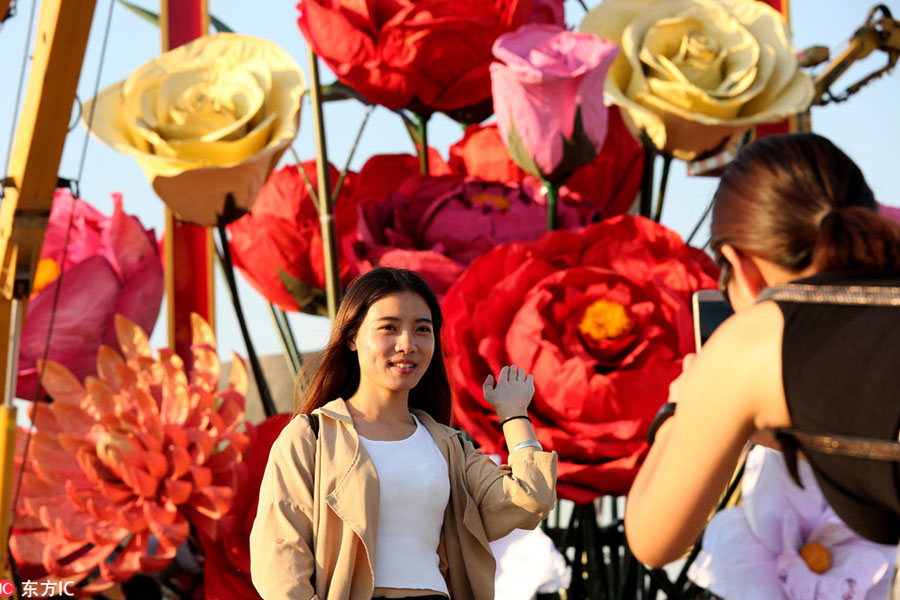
x,y
414,490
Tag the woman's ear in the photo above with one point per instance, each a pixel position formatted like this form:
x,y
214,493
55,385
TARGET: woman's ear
x,y
748,279
351,344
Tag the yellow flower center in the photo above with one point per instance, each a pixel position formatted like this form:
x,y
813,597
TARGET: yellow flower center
x,y
494,200
46,273
604,320
816,557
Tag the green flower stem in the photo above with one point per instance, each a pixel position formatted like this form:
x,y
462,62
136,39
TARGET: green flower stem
x,y
224,256
552,192
326,216
423,146
650,153
663,184
288,344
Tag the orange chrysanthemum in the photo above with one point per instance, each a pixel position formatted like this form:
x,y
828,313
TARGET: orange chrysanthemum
x,y
118,469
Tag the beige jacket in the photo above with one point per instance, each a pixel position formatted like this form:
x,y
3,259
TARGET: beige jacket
x,y
316,525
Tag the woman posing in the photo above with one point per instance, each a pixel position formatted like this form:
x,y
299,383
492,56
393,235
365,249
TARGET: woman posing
x,y
790,211
385,500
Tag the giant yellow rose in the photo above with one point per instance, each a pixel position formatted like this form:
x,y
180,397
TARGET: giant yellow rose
x,y
207,122
693,73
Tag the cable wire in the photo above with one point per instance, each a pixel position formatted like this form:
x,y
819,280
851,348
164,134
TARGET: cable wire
x,y
12,128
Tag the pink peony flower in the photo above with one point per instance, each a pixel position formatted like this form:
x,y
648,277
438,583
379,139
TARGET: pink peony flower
x,y
770,546
548,97
112,267
438,225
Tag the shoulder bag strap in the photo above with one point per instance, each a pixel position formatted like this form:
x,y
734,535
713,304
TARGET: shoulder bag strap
x,y
855,295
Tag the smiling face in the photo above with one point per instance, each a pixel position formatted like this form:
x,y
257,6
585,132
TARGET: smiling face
x,y
394,344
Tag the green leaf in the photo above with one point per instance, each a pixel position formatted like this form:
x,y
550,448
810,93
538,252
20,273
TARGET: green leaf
x,y
145,14
219,25
153,18
311,300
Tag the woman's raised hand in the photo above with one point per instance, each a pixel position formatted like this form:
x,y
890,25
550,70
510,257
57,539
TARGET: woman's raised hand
x,y
512,393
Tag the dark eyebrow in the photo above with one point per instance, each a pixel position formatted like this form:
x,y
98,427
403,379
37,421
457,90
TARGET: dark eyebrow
x,y
394,319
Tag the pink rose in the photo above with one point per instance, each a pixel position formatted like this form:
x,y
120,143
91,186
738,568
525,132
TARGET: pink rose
x,y
548,97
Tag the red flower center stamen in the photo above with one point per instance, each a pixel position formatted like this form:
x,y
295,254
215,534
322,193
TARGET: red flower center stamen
x,y
604,320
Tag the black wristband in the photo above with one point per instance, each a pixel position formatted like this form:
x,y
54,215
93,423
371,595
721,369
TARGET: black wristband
x,y
508,419
665,411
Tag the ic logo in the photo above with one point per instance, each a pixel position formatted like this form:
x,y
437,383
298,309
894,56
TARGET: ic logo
x,y
7,588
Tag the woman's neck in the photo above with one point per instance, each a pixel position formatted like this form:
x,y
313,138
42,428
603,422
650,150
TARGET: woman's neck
x,y
379,405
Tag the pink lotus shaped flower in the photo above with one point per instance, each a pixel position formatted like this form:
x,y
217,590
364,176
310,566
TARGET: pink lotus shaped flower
x,y
438,225
112,267
118,469
548,97
785,542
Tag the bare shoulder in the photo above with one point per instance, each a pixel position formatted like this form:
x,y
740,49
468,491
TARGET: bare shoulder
x,y
742,360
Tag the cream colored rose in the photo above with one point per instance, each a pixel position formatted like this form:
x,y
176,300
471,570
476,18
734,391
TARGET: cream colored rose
x,y
206,121
693,73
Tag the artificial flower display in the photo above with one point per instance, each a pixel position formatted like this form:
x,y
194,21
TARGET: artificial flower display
x,y
612,180
226,570
112,266
278,246
694,73
119,468
207,122
548,97
602,317
425,56
436,226
785,543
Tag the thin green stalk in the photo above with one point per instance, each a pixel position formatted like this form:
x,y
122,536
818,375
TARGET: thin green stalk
x,y
552,192
346,169
224,256
696,228
646,205
423,146
310,188
326,217
288,345
663,184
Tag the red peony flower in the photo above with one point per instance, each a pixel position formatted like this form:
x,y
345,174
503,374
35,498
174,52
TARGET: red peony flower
x,y
278,245
226,572
436,226
426,56
612,179
601,317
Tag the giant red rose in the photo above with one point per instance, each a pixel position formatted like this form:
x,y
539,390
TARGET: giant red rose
x,y
602,317
426,56
226,572
612,179
278,245
436,226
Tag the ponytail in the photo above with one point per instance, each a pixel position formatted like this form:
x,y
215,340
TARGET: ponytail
x,y
857,239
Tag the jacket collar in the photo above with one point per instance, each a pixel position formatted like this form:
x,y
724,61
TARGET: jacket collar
x,y
337,409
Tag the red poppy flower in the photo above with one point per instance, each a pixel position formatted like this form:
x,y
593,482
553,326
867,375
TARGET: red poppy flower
x,y
612,179
226,572
601,316
278,245
426,56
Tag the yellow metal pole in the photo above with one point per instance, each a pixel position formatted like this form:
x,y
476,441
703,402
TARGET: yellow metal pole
x,y
60,42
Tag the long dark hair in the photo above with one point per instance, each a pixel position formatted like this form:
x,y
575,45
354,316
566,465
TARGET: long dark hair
x,y
797,200
337,373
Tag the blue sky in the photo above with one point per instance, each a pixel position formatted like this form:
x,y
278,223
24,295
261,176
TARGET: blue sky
x,y
867,127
